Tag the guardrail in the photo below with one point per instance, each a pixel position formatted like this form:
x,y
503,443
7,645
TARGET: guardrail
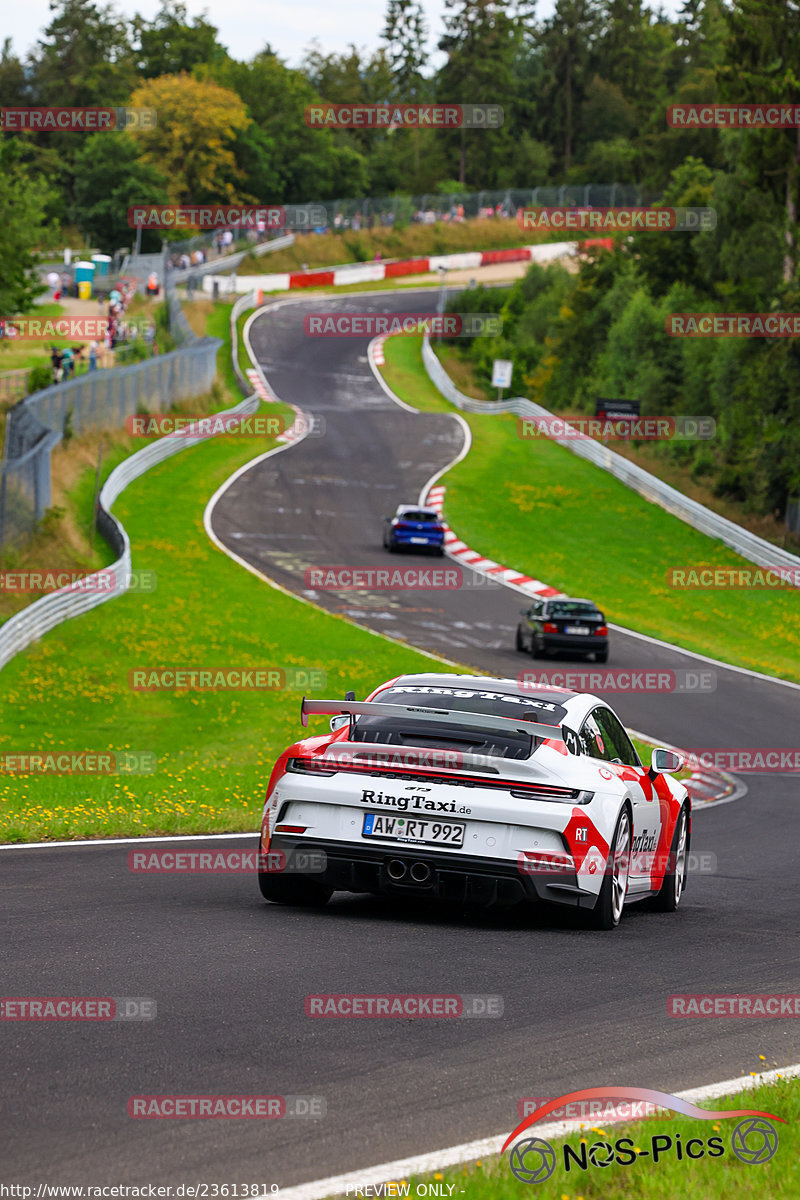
x,y
751,547
39,618
240,306
96,400
45,614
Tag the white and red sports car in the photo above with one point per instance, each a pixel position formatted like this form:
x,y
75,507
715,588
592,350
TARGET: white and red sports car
x,y
474,789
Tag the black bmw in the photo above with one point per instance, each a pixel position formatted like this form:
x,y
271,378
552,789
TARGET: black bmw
x,y
561,623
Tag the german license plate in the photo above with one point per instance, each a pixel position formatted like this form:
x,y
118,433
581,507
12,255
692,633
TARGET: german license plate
x,y
419,541
413,829
576,629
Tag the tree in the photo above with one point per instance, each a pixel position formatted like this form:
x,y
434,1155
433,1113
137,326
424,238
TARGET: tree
x,y
13,85
84,57
170,44
481,40
567,41
306,164
405,32
110,178
192,143
23,199
761,66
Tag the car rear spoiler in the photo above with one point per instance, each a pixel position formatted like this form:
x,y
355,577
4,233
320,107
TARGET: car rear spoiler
x,y
433,716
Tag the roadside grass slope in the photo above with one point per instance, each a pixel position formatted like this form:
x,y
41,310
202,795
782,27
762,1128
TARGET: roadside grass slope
x,y
535,506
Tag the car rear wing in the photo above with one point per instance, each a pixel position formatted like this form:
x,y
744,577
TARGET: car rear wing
x,y
432,716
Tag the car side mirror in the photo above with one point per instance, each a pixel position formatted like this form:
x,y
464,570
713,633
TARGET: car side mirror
x,y
665,762
339,721
524,611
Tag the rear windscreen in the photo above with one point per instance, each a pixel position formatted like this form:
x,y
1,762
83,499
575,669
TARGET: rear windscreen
x,y
571,608
417,516
405,731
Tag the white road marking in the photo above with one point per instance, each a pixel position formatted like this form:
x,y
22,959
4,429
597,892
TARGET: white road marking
x,y
420,1164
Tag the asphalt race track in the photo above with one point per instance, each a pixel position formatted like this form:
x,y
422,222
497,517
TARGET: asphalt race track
x,y
229,973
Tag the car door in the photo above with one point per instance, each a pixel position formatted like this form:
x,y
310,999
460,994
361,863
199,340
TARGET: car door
x,y
621,753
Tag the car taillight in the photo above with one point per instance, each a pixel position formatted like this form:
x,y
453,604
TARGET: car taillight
x,y
308,766
401,524
549,627
290,828
602,630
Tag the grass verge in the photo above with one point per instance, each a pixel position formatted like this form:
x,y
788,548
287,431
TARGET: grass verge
x,y
213,749
537,507
409,241
670,1177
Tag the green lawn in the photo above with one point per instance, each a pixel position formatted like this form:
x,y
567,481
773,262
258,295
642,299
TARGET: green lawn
x,y
214,749
535,506
670,1178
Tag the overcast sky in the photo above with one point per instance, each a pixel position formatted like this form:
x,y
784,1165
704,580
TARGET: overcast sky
x,y
246,25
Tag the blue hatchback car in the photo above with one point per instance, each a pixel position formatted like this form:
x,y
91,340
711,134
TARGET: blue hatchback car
x,y
414,527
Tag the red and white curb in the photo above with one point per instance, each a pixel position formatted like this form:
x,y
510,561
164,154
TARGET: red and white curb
x,y
259,386
478,562
299,426
373,272
377,351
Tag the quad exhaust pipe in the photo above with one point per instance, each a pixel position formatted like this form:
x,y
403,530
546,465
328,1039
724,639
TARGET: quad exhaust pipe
x,y
419,872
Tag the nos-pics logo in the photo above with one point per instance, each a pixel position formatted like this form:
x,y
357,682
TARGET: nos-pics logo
x,y
754,1139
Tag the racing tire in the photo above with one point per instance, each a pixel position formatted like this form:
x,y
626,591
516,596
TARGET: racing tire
x,y
611,901
674,885
536,650
295,889
518,645
601,656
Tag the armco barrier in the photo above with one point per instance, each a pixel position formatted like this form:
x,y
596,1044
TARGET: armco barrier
x,y
43,615
748,545
372,272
